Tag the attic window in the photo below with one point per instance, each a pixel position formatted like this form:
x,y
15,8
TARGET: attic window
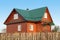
x,y
45,15
31,27
15,16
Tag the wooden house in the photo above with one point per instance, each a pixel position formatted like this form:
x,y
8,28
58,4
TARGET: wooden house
x,y
36,20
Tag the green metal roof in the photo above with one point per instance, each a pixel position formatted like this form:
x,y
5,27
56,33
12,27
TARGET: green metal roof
x,y
32,15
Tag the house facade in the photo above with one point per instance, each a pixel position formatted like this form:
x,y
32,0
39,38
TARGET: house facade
x,y
36,20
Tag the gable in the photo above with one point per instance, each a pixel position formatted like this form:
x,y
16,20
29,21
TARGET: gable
x,y
11,19
49,18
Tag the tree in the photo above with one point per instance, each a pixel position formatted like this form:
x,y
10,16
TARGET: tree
x,y
56,28
4,31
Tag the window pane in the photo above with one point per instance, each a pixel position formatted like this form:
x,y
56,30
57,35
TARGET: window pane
x,y
45,15
31,27
19,27
15,16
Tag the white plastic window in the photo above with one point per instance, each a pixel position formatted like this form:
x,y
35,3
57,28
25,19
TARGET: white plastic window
x,y
19,27
15,16
31,27
45,15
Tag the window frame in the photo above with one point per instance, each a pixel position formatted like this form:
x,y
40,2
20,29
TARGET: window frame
x,y
45,15
19,27
31,27
16,16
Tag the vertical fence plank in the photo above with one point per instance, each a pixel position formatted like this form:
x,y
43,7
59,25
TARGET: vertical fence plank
x,y
50,36
58,35
54,36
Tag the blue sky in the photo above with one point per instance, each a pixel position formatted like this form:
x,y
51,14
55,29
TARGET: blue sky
x,y
6,7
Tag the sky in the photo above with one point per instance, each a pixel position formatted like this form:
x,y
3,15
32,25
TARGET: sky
x,y
6,7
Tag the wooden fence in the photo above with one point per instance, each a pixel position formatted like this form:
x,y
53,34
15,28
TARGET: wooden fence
x,y
30,36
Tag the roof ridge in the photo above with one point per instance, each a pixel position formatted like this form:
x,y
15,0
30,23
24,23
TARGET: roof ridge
x,y
38,8
20,9
31,9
